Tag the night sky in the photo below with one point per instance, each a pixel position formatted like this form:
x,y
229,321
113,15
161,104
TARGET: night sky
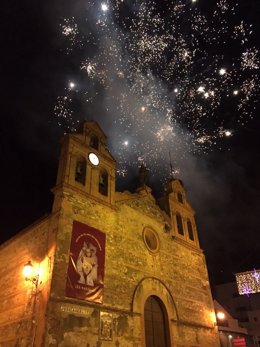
x,y
222,181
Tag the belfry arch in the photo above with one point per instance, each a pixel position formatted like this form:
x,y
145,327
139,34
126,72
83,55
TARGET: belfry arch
x,y
153,288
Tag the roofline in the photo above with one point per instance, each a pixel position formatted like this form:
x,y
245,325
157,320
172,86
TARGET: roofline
x,y
26,229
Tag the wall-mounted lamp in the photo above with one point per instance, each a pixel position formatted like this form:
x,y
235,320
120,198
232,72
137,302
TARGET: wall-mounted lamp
x,y
30,274
221,315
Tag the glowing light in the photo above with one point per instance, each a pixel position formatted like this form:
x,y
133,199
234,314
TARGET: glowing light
x,y
222,71
126,143
230,336
228,133
176,90
143,108
221,315
206,95
72,85
235,92
104,7
28,269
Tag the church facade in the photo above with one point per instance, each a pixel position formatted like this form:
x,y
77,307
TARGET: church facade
x,y
106,268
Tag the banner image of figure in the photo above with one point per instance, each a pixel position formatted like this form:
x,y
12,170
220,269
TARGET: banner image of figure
x,y
85,278
87,264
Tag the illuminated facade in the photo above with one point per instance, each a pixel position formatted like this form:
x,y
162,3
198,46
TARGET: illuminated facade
x,y
106,268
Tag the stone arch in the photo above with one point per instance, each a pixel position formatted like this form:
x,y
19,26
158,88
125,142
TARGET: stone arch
x,y
153,286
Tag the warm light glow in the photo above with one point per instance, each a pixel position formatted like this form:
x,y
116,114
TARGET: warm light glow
x,y
213,317
230,336
222,71
28,269
176,90
142,108
221,315
235,92
72,85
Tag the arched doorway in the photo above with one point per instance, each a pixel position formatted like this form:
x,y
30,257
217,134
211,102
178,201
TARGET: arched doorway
x,y
156,323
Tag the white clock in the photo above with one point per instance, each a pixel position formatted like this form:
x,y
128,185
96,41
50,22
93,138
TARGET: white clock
x,y
93,158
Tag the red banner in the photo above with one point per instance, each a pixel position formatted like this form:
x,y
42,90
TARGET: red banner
x,y
85,278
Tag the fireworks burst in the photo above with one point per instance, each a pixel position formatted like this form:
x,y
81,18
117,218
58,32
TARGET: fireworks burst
x,y
165,75
70,31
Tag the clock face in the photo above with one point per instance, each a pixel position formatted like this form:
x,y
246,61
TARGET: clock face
x,y
93,158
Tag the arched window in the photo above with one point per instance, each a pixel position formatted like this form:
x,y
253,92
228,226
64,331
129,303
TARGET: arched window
x,y
103,182
80,170
94,142
180,197
179,224
190,230
156,323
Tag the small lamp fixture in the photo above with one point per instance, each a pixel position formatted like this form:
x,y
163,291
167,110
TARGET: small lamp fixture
x,y
221,315
29,274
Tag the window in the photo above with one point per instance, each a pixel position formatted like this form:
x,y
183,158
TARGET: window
x,y
190,230
180,197
80,171
179,224
103,182
94,142
156,323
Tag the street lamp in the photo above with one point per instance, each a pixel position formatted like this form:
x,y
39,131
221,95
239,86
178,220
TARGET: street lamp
x,y
30,274
221,315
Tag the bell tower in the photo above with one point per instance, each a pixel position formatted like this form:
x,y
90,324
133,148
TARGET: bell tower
x,y
86,166
175,204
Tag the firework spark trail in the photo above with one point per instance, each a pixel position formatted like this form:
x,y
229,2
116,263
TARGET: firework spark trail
x,y
166,74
